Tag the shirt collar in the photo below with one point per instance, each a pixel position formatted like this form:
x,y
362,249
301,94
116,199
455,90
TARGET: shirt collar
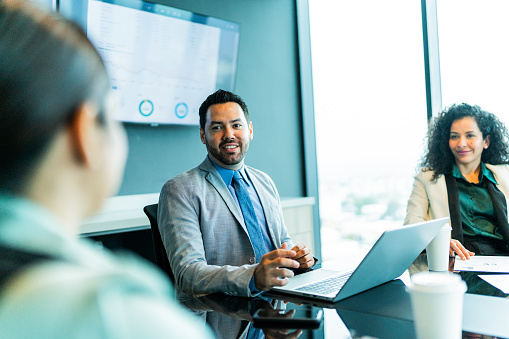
x,y
488,174
484,173
227,174
30,226
26,225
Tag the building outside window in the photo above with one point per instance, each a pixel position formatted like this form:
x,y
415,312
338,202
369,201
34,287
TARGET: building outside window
x,y
370,109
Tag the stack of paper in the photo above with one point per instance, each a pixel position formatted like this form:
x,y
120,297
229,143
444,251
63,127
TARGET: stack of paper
x,y
492,264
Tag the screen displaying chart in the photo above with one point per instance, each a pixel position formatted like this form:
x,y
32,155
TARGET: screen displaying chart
x,y
162,62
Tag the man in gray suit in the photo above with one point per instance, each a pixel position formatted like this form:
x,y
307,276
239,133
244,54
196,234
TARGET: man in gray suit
x,y
218,240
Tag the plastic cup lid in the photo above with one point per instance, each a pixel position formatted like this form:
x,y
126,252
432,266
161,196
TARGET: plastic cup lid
x,y
434,282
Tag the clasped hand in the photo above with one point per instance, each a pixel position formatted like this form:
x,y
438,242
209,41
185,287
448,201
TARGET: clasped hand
x,y
273,268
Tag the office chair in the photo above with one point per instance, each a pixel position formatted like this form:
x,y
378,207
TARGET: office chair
x,y
160,252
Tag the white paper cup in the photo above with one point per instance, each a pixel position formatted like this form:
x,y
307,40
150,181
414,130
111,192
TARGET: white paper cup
x,y
437,305
438,250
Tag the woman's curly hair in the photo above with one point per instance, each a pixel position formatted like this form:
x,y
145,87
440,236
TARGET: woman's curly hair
x,y
438,156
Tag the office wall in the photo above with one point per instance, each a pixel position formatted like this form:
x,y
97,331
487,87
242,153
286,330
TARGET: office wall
x,y
267,79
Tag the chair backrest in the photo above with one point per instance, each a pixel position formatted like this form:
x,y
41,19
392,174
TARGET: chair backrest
x,y
160,252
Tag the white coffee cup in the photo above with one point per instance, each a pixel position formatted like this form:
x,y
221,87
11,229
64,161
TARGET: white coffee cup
x,y
437,304
438,250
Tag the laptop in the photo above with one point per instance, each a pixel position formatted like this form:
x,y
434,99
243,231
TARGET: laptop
x,y
388,259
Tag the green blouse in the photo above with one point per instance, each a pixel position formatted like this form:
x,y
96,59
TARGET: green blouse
x,y
477,213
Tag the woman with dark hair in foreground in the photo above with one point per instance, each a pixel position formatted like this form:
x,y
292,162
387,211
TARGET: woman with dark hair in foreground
x,y
61,155
465,176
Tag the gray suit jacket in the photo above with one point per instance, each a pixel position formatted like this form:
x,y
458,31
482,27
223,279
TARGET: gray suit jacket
x,y
204,233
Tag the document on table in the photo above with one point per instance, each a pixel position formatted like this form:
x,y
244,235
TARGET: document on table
x,y
500,281
483,263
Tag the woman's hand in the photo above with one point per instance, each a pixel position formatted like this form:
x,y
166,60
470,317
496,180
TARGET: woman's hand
x,y
460,250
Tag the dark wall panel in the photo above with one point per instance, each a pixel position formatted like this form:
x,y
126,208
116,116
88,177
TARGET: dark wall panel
x,y
267,79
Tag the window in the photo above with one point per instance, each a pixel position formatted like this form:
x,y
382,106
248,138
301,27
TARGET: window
x,y
474,53
370,108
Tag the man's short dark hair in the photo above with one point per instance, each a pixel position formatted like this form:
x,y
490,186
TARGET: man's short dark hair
x,y
220,97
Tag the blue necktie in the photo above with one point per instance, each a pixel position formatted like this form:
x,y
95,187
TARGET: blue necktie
x,y
253,228
254,333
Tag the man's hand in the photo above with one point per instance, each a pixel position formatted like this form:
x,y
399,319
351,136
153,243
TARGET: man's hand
x,y
274,333
271,270
303,256
460,250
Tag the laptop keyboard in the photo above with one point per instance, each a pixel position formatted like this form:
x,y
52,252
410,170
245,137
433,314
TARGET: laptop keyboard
x,y
327,286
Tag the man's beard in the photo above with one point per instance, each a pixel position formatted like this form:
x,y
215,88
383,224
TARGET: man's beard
x,y
224,158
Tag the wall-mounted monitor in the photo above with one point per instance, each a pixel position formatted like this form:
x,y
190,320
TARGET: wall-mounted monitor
x,y
46,4
162,61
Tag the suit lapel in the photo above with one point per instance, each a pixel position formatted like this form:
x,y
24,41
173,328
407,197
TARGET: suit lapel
x,y
213,177
438,198
454,207
500,207
501,175
498,196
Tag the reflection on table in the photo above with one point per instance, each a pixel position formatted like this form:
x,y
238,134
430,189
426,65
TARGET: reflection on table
x,y
475,284
382,312
231,317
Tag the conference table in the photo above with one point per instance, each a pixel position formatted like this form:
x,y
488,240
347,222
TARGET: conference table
x,y
381,312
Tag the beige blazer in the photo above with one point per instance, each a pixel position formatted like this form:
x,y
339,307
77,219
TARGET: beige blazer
x,y
429,199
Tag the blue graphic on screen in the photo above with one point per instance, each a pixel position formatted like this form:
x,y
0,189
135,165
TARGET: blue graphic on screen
x,y
162,61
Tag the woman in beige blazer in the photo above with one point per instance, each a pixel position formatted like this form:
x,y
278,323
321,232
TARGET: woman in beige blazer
x,y
465,176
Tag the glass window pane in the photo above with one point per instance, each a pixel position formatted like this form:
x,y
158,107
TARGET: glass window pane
x,y
370,107
474,53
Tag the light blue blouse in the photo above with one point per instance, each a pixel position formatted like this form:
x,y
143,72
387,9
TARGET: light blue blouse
x,y
86,292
